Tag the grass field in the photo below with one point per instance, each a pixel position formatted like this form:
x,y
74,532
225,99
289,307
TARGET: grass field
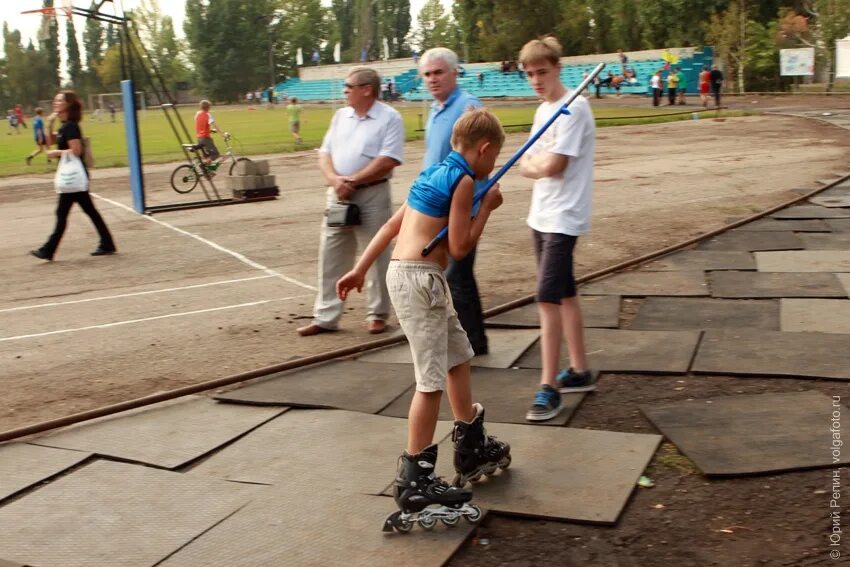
x,y
259,131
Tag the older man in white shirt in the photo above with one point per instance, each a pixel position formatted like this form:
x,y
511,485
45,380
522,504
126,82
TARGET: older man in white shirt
x,y
364,144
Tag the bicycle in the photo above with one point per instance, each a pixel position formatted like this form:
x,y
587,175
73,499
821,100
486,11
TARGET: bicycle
x,y
185,177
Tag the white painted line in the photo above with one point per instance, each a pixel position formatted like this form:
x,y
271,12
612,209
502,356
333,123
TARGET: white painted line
x,y
132,321
136,293
218,247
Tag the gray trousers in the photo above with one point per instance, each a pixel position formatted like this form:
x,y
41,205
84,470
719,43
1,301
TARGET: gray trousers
x,y
338,250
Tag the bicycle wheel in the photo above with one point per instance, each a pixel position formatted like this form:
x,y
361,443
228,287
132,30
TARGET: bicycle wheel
x,y
184,179
233,165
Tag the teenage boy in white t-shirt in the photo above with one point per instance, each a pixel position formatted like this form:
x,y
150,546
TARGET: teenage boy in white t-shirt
x,y
561,163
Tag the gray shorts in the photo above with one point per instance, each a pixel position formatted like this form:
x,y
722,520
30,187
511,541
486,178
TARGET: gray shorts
x,y
423,305
294,127
554,252
209,147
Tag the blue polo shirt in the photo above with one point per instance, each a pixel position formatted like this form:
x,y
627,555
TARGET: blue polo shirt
x,y
441,120
431,193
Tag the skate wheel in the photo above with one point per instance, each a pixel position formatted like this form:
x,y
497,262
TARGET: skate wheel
x,y
476,478
427,523
506,462
450,522
402,526
475,515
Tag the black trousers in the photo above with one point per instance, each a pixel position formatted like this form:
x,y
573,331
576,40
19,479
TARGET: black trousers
x,y
656,96
63,208
715,90
467,302
671,95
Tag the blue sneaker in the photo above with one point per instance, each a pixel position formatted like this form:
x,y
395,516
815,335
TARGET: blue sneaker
x,y
547,404
571,381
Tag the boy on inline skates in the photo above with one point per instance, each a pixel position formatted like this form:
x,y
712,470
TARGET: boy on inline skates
x,y
441,196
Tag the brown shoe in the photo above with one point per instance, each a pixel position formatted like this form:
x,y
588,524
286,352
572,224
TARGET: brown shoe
x,y
376,326
313,329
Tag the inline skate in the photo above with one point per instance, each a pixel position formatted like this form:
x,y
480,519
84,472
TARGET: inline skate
x,y
477,453
424,498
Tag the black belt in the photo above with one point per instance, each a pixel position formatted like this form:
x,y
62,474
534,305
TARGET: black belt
x,y
371,184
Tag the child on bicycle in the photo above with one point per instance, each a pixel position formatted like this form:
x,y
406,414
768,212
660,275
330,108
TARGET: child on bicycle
x,y
205,124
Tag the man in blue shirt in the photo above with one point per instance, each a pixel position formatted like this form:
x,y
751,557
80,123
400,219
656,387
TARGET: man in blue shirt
x,y
439,70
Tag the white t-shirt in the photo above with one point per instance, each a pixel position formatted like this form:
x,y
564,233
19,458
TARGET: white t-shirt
x,y
353,142
655,82
561,203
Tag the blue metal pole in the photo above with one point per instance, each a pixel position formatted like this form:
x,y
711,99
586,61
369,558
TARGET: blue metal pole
x,y
134,151
510,163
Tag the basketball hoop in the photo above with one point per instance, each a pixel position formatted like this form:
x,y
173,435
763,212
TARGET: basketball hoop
x,y
64,9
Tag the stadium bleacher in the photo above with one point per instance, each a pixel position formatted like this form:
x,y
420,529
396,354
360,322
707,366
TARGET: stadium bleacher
x,y
510,84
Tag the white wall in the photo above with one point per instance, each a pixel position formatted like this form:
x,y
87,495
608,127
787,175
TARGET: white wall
x,y
842,58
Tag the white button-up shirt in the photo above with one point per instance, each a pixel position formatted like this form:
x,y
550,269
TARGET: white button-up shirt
x,y
353,141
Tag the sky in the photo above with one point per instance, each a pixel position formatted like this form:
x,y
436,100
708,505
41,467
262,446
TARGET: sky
x,y
27,24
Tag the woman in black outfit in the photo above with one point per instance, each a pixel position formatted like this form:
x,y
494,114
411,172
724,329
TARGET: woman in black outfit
x,y
69,110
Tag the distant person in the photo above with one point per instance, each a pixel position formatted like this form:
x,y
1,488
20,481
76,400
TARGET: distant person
x,y
624,59
716,79
249,97
316,57
205,125
415,56
68,109
293,111
480,80
385,91
41,142
270,94
681,87
520,71
616,82
112,111
12,119
672,85
655,85
19,113
704,85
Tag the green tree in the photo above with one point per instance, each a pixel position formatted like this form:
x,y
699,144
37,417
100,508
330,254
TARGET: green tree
x,y
832,22
165,51
728,32
93,37
228,54
343,30
394,24
301,24
49,45
432,26
75,65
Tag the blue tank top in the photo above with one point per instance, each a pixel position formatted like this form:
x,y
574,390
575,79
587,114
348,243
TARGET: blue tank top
x,y
431,193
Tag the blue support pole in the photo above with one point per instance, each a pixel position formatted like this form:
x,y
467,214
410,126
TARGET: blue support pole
x,y
134,148
530,142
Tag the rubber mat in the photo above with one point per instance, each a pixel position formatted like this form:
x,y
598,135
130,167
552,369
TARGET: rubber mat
x,y
321,526
108,514
773,353
816,315
681,283
839,225
811,212
23,465
744,434
828,241
505,345
305,449
751,241
777,225
703,260
767,284
168,435
588,478
615,350
597,311
804,261
505,394
669,313
357,386
831,200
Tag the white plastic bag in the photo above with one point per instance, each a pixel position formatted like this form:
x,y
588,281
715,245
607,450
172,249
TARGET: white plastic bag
x,y
71,175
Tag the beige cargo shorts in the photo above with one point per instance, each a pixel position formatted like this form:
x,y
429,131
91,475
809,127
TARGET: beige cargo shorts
x,y
423,305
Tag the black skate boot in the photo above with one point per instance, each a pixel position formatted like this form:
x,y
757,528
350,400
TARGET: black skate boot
x,y
477,453
425,498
